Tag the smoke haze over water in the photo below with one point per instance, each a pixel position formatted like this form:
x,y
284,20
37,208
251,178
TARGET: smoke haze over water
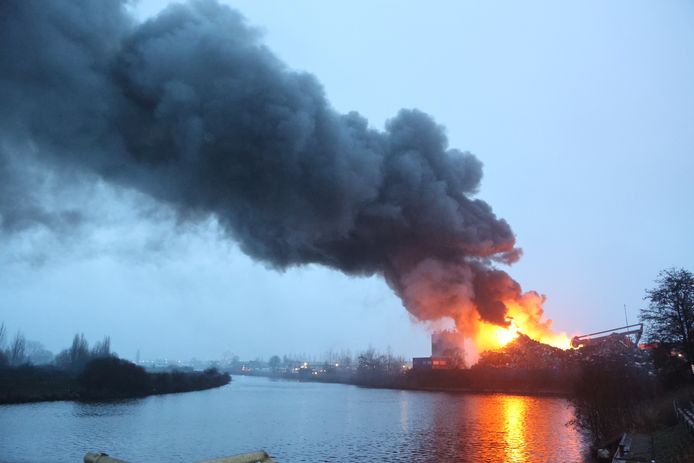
x,y
191,109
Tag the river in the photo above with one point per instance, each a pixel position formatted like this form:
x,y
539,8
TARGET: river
x,y
296,422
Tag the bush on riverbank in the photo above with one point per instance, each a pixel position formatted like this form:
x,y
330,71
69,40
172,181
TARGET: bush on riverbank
x,y
116,378
164,383
112,377
609,394
29,383
622,388
102,379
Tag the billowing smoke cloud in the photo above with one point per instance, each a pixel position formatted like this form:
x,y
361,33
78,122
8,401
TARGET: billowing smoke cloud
x,y
193,110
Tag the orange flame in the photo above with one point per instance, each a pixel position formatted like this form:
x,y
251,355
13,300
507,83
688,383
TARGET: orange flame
x,y
490,337
523,317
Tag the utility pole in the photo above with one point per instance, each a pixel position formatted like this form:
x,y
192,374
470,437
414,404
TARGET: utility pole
x,y
626,319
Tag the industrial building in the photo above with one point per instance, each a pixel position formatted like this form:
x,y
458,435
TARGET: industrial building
x,y
447,352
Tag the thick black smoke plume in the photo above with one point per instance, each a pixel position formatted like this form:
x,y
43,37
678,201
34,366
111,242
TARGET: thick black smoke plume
x,y
192,109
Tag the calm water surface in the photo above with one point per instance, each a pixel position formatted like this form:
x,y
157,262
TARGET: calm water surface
x,y
296,422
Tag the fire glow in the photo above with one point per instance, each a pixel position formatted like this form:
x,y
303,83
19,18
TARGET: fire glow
x,y
524,315
525,318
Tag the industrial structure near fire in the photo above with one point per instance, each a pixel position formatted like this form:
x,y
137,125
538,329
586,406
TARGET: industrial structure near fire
x,y
448,347
447,352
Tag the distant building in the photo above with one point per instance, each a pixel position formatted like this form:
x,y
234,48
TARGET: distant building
x,y
447,352
432,363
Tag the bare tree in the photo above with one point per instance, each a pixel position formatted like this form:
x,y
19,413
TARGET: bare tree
x,y
76,356
17,351
669,316
4,360
79,351
103,348
37,354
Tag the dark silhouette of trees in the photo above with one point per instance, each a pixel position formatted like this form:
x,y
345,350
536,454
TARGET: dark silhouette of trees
x,y
37,354
17,350
608,394
374,367
669,317
78,354
673,371
4,361
79,373
102,348
113,377
369,362
21,351
178,381
346,360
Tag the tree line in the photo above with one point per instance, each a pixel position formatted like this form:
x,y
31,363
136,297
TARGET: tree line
x,y
20,351
634,389
83,373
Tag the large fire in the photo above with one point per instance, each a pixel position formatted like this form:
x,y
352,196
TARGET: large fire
x,y
490,337
524,315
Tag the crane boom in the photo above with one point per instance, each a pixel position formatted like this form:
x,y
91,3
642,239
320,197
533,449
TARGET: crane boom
x,y
628,330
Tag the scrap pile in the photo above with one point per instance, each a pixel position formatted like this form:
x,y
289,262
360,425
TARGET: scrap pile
x,y
526,353
614,347
611,346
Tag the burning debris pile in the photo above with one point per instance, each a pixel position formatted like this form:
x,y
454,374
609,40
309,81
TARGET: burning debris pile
x,y
613,347
526,353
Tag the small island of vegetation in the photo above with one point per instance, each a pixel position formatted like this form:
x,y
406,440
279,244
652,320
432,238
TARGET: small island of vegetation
x,y
79,373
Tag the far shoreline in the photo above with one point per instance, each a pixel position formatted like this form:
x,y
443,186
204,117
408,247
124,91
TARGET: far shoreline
x,y
81,400
406,383
104,380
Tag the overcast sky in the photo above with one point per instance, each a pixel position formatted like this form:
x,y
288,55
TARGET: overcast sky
x,y
581,112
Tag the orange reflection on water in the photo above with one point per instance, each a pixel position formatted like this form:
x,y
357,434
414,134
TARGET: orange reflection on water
x,y
514,422
494,428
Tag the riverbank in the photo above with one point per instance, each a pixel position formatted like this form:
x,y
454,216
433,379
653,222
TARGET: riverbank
x,y
101,380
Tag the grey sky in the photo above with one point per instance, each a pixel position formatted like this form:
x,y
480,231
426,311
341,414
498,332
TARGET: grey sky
x,y
581,113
